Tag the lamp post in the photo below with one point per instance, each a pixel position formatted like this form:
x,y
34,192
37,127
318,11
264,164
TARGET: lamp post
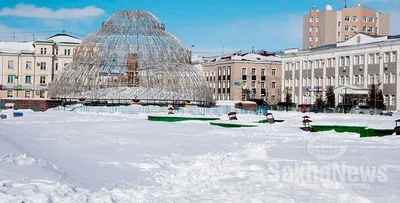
x,y
16,77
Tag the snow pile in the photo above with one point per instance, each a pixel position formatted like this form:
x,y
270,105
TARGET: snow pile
x,y
21,159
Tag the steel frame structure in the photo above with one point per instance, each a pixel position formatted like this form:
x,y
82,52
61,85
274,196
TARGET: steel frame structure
x,y
131,57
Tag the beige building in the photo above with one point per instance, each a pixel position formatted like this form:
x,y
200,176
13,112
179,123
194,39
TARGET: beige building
x,y
329,26
26,68
243,77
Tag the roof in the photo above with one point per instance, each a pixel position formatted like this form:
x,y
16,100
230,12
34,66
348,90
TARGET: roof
x,y
64,38
252,57
16,47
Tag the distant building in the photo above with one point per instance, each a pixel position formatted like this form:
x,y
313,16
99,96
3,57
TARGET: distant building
x,y
26,68
244,77
329,26
350,67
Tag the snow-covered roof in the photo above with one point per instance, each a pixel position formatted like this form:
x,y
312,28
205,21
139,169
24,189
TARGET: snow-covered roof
x,y
64,38
16,47
247,57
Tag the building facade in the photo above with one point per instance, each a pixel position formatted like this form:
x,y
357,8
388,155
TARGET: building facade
x,y
329,26
26,68
350,67
244,77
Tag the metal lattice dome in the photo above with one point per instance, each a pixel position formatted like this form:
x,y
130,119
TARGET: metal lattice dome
x,y
131,57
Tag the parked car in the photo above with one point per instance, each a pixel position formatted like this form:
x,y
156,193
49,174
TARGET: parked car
x,y
386,113
364,109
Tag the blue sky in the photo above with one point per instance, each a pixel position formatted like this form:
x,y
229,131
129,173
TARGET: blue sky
x,y
207,24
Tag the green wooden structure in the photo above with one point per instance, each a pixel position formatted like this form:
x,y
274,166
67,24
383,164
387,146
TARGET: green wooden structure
x,y
233,125
363,131
167,118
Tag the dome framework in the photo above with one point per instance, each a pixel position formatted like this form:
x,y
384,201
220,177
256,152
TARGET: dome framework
x,y
131,57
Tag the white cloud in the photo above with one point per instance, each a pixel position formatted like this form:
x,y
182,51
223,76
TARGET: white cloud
x,y
52,23
32,11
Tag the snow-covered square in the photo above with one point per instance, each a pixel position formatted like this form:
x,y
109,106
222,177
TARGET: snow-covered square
x,y
112,157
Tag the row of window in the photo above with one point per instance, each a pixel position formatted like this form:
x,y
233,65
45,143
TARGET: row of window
x,y
67,52
28,65
221,70
344,80
365,19
345,61
254,71
223,97
28,79
355,28
389,99
253,84
10,93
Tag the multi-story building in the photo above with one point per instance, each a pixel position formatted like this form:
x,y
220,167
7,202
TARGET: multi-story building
x,y
26,68
350,67
245,76
329,26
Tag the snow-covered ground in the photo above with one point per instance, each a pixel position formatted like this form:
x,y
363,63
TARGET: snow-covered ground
x,y
101,157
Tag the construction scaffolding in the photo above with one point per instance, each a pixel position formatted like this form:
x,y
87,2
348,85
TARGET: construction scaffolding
x,y
131,57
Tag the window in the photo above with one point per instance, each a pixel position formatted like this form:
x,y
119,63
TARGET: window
x,y
355,18
317,30
361,80
273,84
386,99
41,51
376,79
392,78
386,78
364,28
347,61
229,83
10,64
42,79
355,80
253,71
346,80
328,81
56,67
69,52
65,52
10,93
253,84
311,38
273,72
328,63
243,71
10,79
333,80
338,34
317,19
297,82
347,18
386,57
362,59
371,59
392,99
224,73
356,60
341,81
365,19
28,79
311,19
376,59
370,78
263,72
371,19
57,51
28,65
219,70
223,84
27,94
333,62
370,29
338,24
45,50
346,27
43,66
341,61
312,29
42,94
316,38
229,70
346,37
354,28
262,85
304,83
393,58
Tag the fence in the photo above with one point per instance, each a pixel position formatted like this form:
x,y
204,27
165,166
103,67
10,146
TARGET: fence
x,y
220,110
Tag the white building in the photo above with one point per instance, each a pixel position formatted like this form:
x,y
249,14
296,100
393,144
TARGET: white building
x,y
350,67
26,68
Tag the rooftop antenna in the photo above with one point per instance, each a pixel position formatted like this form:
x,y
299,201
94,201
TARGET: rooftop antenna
x,y
345,3
252,50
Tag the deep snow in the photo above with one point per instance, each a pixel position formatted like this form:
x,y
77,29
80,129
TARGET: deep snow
x,y
100,157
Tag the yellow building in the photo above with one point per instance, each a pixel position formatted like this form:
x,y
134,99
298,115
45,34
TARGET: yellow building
x,y
26,68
